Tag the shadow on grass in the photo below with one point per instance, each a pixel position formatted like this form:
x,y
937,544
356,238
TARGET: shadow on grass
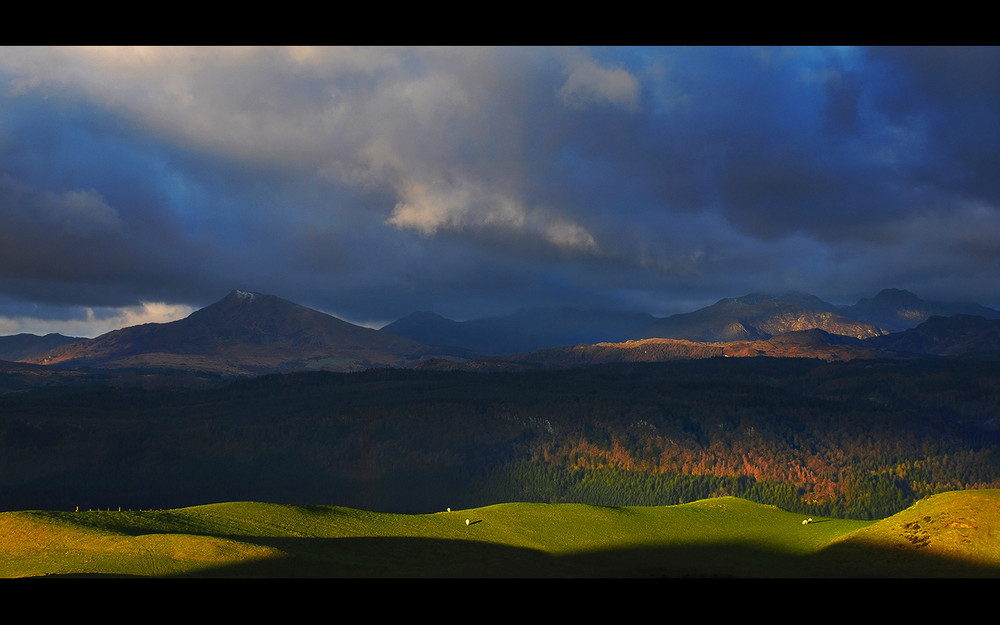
x,y
436,558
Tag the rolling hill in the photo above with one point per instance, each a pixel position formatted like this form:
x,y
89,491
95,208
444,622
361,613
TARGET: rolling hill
x,y
824,424
947,535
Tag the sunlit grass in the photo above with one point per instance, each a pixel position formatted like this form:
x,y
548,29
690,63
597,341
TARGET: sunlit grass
x,y
715,537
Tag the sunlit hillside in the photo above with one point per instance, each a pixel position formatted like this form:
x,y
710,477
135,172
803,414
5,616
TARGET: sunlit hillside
x,y
952,534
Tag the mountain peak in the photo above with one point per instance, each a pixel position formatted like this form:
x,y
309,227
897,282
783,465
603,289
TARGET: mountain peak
x,y
236,306
245,296
897,296
797,298
250,333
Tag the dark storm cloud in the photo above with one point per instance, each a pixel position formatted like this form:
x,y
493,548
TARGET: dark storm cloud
x,y
372,182
955,93
82,230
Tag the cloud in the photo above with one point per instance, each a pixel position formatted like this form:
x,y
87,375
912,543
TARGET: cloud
x,y
61,235
82,212
592,83
429,209
374,181
89,323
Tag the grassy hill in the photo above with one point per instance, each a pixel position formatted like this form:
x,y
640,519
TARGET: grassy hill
x,y
953,534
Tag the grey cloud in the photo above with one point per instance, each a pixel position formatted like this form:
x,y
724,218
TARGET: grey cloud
x,y
373,182
953,92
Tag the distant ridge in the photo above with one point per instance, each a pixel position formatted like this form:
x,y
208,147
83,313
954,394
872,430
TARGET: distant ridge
x,y
526,330
757,317
894,310
959,335
752,317
23,346
429,327
946,336
247,333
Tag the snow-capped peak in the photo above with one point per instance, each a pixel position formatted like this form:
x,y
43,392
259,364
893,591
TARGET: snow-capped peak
x,y
246,296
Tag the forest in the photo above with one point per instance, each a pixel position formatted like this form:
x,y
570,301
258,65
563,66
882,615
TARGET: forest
x,y
858,439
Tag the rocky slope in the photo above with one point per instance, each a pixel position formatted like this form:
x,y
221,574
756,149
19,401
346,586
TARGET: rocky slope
x,y
757,317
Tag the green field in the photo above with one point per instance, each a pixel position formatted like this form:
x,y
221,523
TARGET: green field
x,y
954,534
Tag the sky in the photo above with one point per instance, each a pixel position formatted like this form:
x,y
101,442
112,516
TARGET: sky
x,y
140,184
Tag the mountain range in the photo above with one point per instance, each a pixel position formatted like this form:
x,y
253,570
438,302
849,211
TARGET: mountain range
x,y
247,334
758,317
181,413
753,317
959,335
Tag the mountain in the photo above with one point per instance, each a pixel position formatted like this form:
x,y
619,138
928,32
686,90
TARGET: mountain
x,y
815,344
526,330
22,346
757,317
956,335
247,334
431,328
893,310
251,333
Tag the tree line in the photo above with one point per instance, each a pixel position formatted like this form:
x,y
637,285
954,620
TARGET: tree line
x,y
857,439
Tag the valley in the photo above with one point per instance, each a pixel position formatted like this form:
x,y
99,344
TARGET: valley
x,y
257,399
860,439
